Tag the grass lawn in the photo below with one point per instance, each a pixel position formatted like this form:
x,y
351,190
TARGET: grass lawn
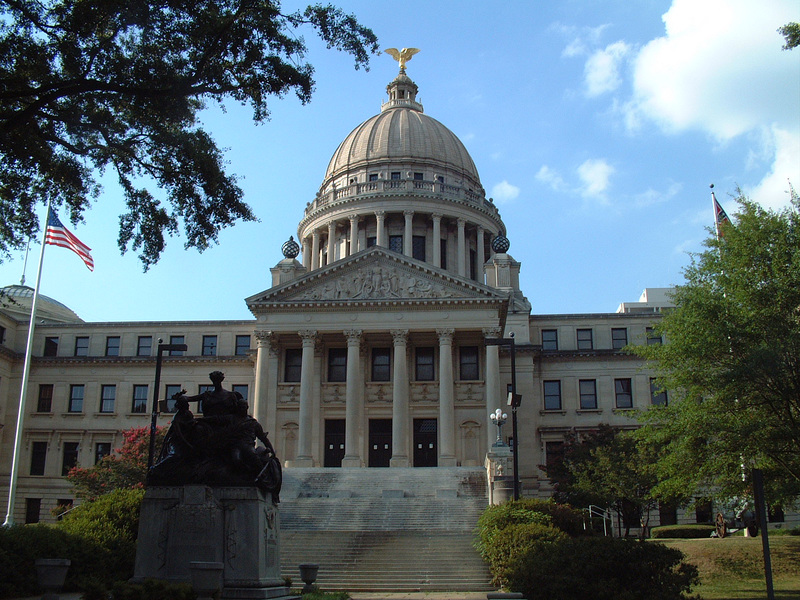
x,y
733,568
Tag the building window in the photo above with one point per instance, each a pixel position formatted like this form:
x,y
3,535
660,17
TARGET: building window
x,y
45,401
176,339
585,339
658,395
112,345
418,247
337,365
101,450
75,399
443,253
108,395
396,243
169,391
242,345
33,508
50,346
703,511
2,335
70,457
371,241
619,337
139,404
373,177
81,346
588,393
395,175
473,259
381,364
554,454
209,345
144,345
38,457
292,369
423,364
468,363
549,339
417,176
440,179
622,389
552,395
653,338
240,388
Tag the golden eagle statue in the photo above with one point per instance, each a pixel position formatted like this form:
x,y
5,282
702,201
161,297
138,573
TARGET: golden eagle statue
x,y
402,56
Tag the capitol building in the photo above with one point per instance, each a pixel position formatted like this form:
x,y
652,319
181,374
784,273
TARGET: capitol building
x,y
382,340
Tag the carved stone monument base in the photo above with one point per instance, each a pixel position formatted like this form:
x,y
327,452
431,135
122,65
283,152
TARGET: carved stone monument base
x,y
236,526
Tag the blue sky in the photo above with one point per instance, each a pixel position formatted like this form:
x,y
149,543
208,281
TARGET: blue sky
x,y
596,126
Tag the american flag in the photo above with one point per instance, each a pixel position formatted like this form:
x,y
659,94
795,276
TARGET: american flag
x,y
720,216
58,235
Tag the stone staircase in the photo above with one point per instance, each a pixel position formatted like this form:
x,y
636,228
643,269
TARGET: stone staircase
x,y
390,530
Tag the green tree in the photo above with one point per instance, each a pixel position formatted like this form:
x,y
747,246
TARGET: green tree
x,y
126,469
732,362
791,33
94,85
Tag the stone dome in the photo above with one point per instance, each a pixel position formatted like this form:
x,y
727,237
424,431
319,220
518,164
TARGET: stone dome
x,y
401,138
16,300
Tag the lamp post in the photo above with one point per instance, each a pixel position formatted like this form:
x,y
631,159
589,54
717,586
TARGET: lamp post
x,y
499,418
514,401
154,417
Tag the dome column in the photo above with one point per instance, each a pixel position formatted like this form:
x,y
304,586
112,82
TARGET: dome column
x,y
400,392
331,242
408,232
380,217
353,234
447,417
314,250
437,240
462,248
481,258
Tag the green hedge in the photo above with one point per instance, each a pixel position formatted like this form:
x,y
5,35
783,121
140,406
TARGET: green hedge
x,y
602,568
513,541
682,531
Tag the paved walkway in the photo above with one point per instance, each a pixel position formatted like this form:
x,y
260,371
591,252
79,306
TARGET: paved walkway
x,y
361,596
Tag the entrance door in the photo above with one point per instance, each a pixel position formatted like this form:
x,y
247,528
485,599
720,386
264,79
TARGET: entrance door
x,y
334,442
425,451
380,442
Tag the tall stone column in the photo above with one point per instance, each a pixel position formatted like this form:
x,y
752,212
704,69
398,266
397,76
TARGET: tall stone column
x,y
266,343
306,253
462,248
447,408
353,234
400,401
306,416
494,394
355,383
480,257
331,242
380,217
408,233
314,250
437,240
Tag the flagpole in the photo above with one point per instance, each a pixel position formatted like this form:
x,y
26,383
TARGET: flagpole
x,y
714,205
12,489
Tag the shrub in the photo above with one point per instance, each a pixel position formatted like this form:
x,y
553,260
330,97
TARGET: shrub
x,y
682,531
602,568
509,543
498,517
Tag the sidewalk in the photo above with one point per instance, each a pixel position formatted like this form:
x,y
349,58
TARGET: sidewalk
x,y
360,596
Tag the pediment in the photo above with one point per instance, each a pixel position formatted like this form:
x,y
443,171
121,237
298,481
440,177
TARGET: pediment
x,y
375,276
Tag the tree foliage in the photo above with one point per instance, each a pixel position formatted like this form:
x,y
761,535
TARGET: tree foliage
x,y
126,469
94,85
732,360
791,33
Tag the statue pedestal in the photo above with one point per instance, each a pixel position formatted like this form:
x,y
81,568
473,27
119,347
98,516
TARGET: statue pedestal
x,y
235,526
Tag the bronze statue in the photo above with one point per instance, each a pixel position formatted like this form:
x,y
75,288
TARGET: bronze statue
x,y
219,448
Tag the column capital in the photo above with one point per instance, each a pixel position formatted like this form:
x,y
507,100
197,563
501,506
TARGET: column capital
x,y
353,336
437,216
400,336
353,217
445,335
492,332
380,213
461,221
267,339
408,213
309,336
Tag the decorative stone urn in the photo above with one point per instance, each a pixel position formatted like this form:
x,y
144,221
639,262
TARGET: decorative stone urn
x,y
308,574
206,578
50,574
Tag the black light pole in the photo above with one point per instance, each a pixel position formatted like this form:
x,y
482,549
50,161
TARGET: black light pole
x,y
154,417
514,400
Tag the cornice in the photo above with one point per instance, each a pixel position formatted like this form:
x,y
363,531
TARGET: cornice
x,y
138,360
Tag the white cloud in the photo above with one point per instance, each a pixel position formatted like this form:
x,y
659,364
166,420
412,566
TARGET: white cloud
x,y
551,178
773,190
602,69
504,192
594,175
580,38
650,196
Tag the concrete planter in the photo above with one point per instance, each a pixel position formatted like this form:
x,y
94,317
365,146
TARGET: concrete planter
x,y
308,574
